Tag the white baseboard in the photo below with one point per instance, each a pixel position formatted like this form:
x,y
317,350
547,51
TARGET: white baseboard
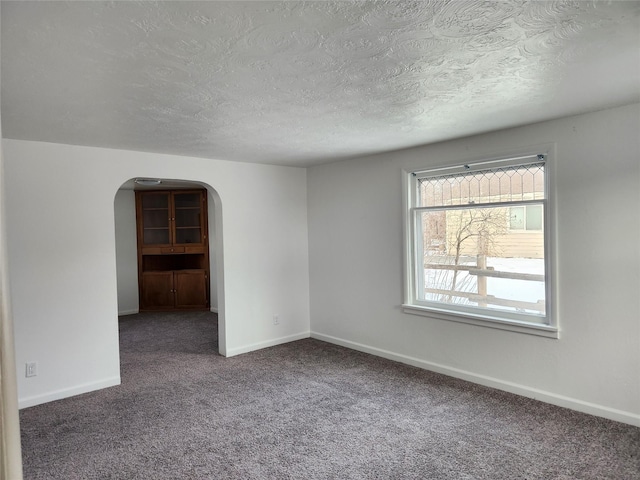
x,y
67,392
128,312
523,390
269,343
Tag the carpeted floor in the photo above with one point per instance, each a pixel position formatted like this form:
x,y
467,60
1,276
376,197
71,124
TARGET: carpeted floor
x,y
305,410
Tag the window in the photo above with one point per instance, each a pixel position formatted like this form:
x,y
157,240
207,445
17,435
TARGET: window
x,y
468,258
527,217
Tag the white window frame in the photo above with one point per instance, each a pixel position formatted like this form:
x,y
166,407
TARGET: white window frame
x,y
412,272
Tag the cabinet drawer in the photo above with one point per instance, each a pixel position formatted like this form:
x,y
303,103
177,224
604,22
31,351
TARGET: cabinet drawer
x,y
193,249
172,250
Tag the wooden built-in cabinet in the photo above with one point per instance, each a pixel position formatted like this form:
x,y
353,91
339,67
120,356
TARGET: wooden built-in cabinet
x,y
173,249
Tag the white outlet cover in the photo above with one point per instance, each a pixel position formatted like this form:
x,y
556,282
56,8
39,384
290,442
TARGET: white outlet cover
x,y
31,369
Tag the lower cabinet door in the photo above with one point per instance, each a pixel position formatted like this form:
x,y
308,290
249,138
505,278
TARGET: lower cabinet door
x,y
157,290
190,289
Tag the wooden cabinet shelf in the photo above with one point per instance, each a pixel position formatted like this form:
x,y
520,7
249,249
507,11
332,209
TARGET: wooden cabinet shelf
x,y
173,250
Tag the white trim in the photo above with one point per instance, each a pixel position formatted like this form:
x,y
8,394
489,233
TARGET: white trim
x,y
68,392
214,309
482,163
269,343
518,389
128,312
483,321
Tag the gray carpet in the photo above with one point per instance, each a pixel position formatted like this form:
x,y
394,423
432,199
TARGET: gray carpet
x,y
305,410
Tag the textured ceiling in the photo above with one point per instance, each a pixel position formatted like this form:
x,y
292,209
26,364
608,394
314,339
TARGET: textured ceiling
x,y
297,83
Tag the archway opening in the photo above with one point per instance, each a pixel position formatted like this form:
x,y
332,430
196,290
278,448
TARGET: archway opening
x,y
127,255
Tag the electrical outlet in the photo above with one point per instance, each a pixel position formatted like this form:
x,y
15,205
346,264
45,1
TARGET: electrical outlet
x,y
276,319
31,369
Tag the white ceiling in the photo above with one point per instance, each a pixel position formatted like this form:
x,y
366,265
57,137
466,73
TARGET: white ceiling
x,y
296,83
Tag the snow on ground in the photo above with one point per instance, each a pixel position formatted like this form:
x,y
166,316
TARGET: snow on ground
x,y
523,290
505,288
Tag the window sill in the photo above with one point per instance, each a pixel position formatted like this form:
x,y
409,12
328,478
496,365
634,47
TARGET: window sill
x,y
482,321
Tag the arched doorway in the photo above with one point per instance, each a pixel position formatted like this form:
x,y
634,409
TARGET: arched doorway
x,y
126,247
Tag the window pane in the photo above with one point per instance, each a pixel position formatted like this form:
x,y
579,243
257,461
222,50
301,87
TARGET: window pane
x,y
517,218
534,217
506,184
470,258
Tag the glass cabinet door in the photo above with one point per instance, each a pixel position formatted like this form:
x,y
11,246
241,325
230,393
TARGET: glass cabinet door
x,y
156,219
188,218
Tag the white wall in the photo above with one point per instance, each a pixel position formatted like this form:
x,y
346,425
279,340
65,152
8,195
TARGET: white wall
x,y
356,267
213,240
124,206
60,202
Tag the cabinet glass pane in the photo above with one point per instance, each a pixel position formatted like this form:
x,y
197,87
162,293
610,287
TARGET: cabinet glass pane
x,y
159,236
188,217
155,200
186,200
188,235
155,218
